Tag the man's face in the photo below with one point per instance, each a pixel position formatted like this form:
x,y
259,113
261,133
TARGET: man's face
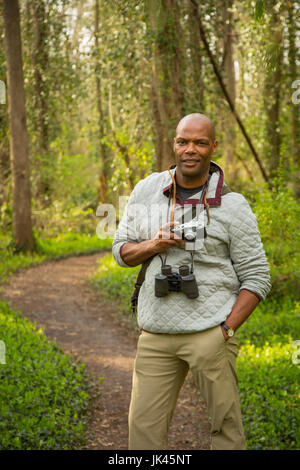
x,y
194,145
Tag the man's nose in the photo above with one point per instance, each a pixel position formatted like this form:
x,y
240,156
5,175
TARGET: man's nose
x,y
190,148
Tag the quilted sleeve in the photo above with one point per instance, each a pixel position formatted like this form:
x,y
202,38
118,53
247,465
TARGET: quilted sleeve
x,y
127,229
246,250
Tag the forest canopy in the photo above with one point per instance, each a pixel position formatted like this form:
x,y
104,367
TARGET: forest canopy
x,y
106,82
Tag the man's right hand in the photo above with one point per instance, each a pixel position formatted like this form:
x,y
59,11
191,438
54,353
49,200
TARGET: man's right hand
x,y
134,254
165,239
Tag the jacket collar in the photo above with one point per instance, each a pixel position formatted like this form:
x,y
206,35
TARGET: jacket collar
x,y
215,186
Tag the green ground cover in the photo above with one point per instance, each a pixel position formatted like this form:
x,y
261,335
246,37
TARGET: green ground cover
x,y
44,393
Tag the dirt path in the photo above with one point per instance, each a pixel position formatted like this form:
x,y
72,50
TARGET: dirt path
x,y
57,297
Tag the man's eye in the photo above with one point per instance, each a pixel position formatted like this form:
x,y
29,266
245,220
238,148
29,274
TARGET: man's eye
x,y
181,142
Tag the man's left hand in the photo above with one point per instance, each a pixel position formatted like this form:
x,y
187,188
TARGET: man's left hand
x,y
224,333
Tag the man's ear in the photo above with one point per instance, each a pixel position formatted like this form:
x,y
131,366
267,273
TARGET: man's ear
x,y
215,146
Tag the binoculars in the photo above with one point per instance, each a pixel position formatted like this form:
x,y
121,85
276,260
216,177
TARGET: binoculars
x,y
183,281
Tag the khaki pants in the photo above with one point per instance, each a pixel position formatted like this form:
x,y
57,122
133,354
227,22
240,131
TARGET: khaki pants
x,y
161,365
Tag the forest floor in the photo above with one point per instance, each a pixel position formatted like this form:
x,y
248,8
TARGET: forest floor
x,y
57,297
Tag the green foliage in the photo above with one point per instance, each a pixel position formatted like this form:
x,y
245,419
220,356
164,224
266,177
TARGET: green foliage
x,y
279,320
44,394
64,244
69,243
278,216
269,394
118,283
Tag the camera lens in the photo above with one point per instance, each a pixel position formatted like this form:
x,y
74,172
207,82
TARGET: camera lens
x,y
189,235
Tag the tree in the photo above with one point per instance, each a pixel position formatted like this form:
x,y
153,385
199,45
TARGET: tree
x,y
166,88
196,60
104,173
23,235
293,76
272,90
4,137
228,66
39,54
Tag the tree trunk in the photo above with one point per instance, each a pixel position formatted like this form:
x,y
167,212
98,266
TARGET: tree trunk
x,y
272,89
40,63
166,90
196,55
23,236
295,123
230,124
104,172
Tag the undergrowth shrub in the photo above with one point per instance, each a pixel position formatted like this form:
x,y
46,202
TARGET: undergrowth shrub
x,y
269,395
278,217
44,393
118,283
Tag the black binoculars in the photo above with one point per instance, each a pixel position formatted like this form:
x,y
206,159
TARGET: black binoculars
x,y
183,281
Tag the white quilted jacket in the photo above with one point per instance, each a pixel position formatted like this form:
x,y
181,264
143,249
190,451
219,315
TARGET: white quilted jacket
x,y
232,256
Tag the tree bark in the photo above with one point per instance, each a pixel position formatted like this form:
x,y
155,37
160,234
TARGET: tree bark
x,y
23,236
295,122
166,90
230,123
40,62
104,172
272,91
197,63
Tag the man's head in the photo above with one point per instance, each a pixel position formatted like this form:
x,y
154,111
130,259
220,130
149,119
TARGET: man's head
x,y
194,144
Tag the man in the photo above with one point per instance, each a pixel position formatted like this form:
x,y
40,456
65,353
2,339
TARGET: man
x,y
179,333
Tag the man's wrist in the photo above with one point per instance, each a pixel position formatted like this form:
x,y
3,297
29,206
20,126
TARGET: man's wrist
x,y
229,332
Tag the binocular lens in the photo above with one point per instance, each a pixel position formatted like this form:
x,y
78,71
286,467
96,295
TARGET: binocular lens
x,y
167,269
184,270
161,285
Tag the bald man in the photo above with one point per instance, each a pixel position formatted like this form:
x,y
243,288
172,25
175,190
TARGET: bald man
x,y
188,317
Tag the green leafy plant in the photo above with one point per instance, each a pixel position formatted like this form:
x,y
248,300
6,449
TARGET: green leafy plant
x,y
269,394
44,394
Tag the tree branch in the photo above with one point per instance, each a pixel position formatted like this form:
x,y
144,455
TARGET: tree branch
x,y
228,99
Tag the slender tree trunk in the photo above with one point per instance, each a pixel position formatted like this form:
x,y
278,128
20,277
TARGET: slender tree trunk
x,y
293,77
23,235
75,41
272,91
166,90
230,123
197,63
123,149
104,172
295,122
40,63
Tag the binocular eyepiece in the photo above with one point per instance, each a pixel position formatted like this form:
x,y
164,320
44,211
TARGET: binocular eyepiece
x,y
183,281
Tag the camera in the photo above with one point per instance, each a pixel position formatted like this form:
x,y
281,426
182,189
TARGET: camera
x,y
190,232
169,281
